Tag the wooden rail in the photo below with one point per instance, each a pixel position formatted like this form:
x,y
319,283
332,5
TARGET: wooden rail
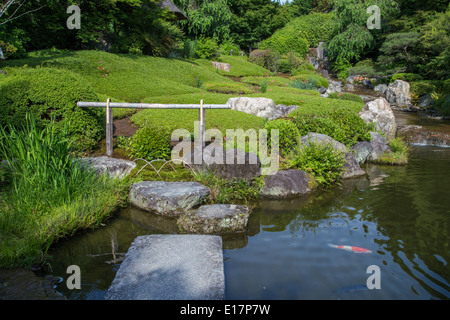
x,y
109,115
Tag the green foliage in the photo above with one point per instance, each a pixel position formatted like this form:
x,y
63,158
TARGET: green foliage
x,y
263,86
206,48
364,68
268,59
346,96
227,191
151,142
397,52
227,46
397,155
309,84
342,125
321,160
421,88
228,87
341,66
351,44
283,41
316,79
288,134
206,18
49,195
409,77
52,93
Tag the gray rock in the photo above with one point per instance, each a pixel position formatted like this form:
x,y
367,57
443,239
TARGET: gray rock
x,y
116,168
168,198
261,107
334,86
221,66
350,79
425,101
322,90
351,167
398,93
349,87
363,150
215,218
367,84
323,139
380,112
232,163
382,88
378,144
287,183
171,267
285,110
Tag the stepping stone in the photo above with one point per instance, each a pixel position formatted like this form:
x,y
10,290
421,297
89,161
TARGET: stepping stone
x,y
215,218
168,198
116,168
171,267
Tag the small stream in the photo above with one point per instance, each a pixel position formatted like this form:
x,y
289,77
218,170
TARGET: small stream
x,y
401,214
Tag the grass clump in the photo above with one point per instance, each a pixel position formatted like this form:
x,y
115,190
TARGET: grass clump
x,y
321,160
346,96
398,154
48,194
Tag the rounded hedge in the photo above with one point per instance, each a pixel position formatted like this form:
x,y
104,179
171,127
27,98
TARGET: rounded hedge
x,y
345,96
288,134
52,93
151,142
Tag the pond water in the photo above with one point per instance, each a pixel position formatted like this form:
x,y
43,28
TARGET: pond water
x,y
401,214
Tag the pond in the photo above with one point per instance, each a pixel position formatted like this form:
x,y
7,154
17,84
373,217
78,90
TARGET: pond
x,y
400,214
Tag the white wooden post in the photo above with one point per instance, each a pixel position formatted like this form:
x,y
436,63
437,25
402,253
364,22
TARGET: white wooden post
x,y
109,129
201,119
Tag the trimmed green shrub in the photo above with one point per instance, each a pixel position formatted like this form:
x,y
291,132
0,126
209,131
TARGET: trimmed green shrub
x,y
265,58
421,88
345,96
226,47
151,142
49,93
406,77
288,134
206,48
319,80
227,87
309,84
263,86
323,161
342,125
284,41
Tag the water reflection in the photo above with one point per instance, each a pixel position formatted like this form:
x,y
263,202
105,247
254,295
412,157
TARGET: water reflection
x,y
399,213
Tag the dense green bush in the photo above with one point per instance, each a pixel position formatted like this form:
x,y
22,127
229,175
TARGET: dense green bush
x,y
340,124
406,77
317,79
345,96
206,48
283,41
151,142
323,161
364,68
421,88
52,93
288,134
309,84
268,59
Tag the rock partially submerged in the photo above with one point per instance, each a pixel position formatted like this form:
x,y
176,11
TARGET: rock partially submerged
x,y
287,183
227,164
215,218
115,168
378,144
168,198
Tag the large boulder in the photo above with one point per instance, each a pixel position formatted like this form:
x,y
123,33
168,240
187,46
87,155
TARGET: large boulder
x,y
221,66
261,107
333,86
323,139
382,88
351,167
380,112
227,164
287,183
379,146
398,94
168,198
362,151
115,168
215,218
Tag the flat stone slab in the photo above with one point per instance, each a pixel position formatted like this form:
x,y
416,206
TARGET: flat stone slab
x,y
116,168
168,198
215,218
171,267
